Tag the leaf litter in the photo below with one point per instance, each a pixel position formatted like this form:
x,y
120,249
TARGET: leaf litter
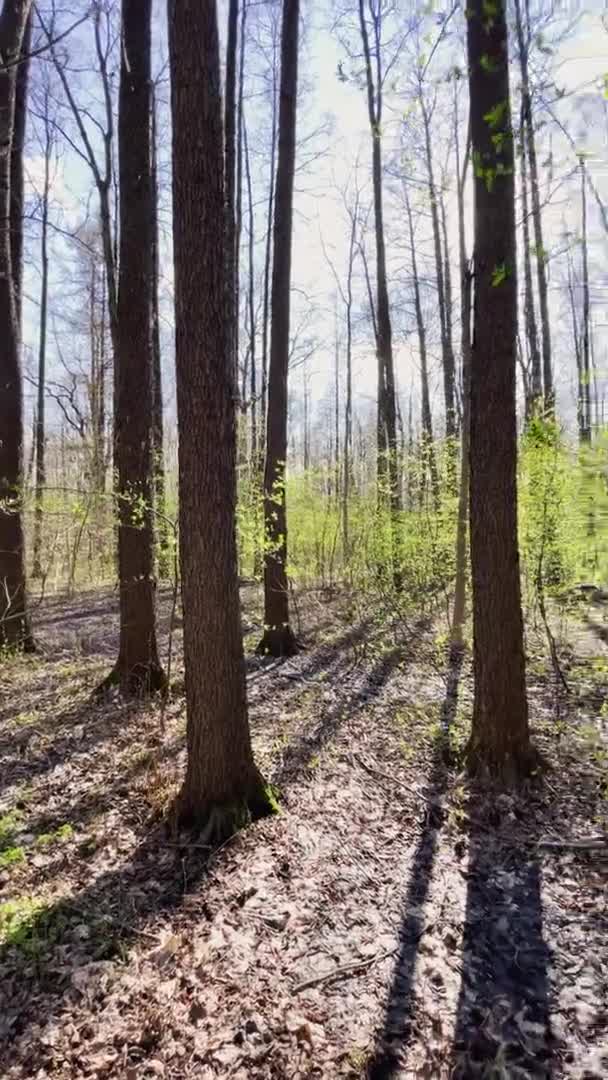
x,y
391,921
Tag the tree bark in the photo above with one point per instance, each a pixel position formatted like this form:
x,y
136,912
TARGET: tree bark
x,y
460,588
268,255
388,465
278,638
500,742
137,669
253,390
428,446
40,411
536,383
585,346
230,131
160,502
14,622
222,787
447,350
541,256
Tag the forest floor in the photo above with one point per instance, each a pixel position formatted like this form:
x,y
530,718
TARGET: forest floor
x,y
391,921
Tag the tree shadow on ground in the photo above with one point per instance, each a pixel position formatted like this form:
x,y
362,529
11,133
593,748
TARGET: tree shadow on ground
x,y
598,629
43,946
502,1022
36,980
80,729
300,753
394,1036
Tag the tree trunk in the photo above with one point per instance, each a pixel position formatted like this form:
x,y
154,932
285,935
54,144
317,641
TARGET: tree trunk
x,y
541,257
278,638
500,742
253,388
348,392
44,284
585,347
536,384
460,589
238,228
388,464
137,669
230,131
268,258
447,350
160,501
222,787
428,446
14,623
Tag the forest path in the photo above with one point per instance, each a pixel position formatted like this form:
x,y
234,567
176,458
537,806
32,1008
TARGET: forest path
x,y
389,922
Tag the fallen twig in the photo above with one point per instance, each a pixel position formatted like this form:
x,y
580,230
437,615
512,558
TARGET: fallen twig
x,y
345,969
391,779
586,843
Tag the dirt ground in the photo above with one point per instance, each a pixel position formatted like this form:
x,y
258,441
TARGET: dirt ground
x,y
391,921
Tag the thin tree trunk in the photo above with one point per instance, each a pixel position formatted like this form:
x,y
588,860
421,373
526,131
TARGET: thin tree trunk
x,y
337,414
541,257
447,281
253,388
580,395
348,393
268,258
222,787
460,588
14,622
158,455
428,446
388,465
500,742
44,284
238,228
230,136
585,350
278,638
536,387
447,351
137,669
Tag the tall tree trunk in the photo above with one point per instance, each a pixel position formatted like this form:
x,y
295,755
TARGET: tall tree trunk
x,y
278,638
137,669
14,623
348,390
576,341
222,787
158,454
44,285
541,256
388,464
253,389
428,446
460,588
17,177
500,742
447,350
238,225
536,382
230,134
585,346
268,256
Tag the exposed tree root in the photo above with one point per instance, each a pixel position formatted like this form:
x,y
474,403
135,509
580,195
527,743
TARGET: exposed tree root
x,y
135,682
215,822
279,641
506,767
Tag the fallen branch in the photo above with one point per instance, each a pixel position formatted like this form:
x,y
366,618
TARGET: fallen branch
x,y
410,788
345,969
588,843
